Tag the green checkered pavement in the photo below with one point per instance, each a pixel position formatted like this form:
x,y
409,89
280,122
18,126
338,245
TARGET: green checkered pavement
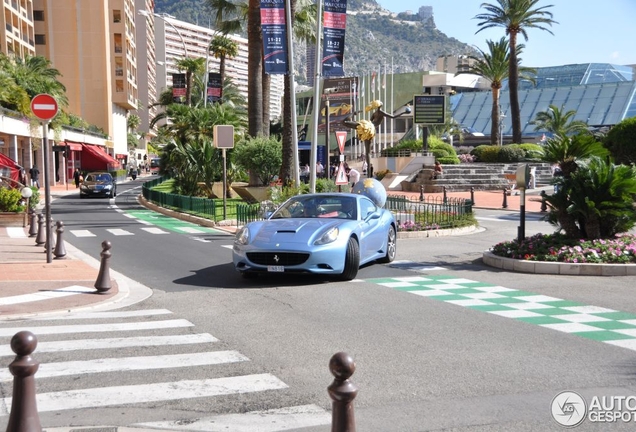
x,y
170,223
591,322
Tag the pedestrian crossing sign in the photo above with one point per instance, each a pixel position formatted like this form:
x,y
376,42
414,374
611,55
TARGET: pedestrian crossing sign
x,y
341,177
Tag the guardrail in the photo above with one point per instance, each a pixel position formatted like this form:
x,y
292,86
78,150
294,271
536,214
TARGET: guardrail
x,y
436,211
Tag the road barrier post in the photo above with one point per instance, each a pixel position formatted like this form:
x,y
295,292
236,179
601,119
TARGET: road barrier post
x,y
102,284
342,393
24,412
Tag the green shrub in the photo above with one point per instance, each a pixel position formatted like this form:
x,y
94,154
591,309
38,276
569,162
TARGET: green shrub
x,y
262,156
439,153
486,153
532,151
10,200
621,141
381,174
449,160
511,153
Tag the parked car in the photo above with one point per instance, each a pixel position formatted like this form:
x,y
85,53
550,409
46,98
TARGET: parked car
x,y
98,184
325,233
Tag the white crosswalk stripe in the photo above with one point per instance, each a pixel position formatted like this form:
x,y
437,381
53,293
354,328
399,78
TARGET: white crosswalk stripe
x,y
82,233
45,295
119,232
73,356
154,230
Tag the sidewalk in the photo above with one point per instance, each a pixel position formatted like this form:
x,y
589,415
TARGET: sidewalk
x,y
30,286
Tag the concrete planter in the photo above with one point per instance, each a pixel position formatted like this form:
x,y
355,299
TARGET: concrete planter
x,y
13,219
252,194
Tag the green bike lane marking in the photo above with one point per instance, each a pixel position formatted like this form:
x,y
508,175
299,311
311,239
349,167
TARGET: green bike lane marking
x,y
170,223
590,322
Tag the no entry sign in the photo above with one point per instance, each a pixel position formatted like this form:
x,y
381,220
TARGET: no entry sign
x,y
44,106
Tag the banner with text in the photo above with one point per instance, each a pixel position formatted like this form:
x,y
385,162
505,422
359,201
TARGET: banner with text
x,y
215,87
178,87
334,23
342,94
274,37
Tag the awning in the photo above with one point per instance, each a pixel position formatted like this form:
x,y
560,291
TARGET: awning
x,y
96,159
74,146
9,168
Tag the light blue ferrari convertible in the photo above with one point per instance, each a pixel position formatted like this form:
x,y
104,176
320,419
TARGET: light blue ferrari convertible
x,y
325,233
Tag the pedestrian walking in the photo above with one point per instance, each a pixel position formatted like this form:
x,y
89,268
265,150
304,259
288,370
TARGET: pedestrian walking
x,y
320,169
77,177
35,176
354,175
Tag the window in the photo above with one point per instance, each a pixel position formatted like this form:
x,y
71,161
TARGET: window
x,y
38,15
116,16
40,39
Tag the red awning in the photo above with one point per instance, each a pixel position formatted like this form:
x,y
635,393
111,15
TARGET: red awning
x,y
96,159
74,146
121,155
9,168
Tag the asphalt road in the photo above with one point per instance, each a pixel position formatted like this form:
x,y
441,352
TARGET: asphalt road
x,y
422,363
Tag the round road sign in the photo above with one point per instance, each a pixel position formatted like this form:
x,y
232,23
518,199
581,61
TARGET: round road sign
x,y
44,106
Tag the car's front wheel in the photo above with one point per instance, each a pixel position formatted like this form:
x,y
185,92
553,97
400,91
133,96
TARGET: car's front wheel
x,y
391,246
352,261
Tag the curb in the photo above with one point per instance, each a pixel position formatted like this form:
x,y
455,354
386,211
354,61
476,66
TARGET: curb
x,y
558,268
440,233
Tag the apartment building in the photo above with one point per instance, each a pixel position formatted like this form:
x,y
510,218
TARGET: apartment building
x,y
18,36
175,40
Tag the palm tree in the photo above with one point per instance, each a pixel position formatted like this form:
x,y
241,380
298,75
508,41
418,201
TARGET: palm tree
x,y
34,75
556,121
223,47
516,17
303,13
494,66
192,67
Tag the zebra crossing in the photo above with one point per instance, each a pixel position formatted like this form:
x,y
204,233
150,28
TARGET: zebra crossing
x,y
78,350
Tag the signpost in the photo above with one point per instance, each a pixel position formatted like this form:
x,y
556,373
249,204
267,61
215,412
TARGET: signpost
x,y
429,110
224,139
341,177
44,107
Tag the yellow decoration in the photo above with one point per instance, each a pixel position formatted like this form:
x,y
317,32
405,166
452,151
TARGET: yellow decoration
x,y
365,130
373,105
369,183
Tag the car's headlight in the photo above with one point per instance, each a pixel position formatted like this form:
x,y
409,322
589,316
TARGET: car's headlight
x,y
83,187
242,236
328,237
108,186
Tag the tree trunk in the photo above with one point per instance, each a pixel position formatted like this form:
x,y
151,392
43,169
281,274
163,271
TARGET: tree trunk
x,y
496,119
287,168
254,68
513,88
267,80
189,88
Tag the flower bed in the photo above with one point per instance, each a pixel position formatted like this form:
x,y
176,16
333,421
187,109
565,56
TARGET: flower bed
x,y
558,248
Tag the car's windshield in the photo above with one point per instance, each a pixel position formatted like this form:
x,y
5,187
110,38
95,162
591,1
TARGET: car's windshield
x,y
332,206
98,177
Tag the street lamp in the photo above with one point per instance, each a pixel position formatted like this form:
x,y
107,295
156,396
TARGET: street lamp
x,y
147,14
502,116
26,193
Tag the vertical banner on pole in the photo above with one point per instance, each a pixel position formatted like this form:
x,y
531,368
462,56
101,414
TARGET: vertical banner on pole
x,y
340,92
274,37
178,87
334,25
215,87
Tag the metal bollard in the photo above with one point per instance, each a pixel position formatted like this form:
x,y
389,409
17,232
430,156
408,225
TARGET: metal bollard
x,y
472,194
41,237
24,412
444,193
342,393
421,192
102,284
60,250
505,200
33,231
544,204
52,239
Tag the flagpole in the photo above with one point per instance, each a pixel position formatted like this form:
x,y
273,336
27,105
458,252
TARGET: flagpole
x,y
294,118
392,108
318,66
387,106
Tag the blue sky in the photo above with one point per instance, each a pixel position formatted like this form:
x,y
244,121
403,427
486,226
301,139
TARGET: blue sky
x,y
588,31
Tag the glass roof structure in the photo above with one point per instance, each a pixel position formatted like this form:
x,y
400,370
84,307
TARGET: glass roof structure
x,y
601,94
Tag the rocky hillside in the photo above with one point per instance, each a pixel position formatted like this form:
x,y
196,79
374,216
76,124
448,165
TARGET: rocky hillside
x,y
374,37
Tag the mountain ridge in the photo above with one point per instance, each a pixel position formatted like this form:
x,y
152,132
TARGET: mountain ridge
x,y
375,38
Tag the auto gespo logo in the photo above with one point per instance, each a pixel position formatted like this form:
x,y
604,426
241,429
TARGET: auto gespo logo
x,y
568,409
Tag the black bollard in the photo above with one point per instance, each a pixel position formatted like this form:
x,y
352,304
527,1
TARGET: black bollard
x,y
421,192
33,231
472,194
544,204
342,393
24,411
102,284
51,239
505,200
41,237
444,193
60,250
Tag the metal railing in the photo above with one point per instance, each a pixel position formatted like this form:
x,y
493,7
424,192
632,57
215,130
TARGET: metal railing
x,y
429,212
